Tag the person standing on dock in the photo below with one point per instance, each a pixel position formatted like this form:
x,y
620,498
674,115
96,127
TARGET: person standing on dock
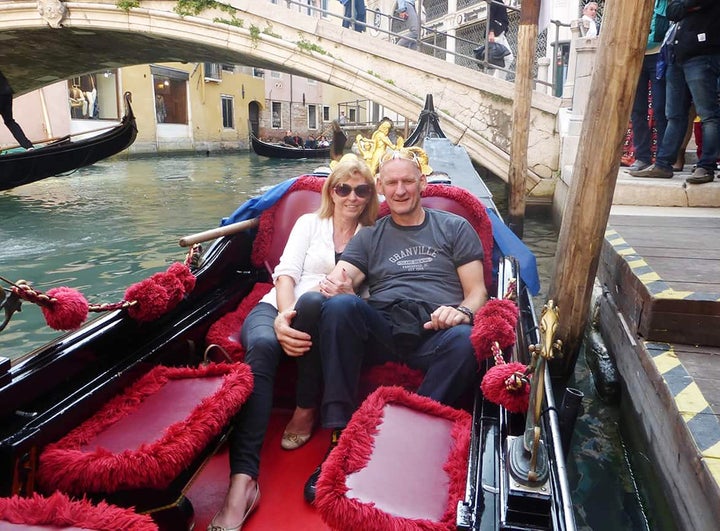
x,y
648,77
692,75
6,111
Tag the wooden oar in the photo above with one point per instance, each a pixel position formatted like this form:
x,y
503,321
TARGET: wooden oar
x,y
211,234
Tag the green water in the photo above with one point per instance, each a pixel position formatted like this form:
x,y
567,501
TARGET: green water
x,y
108,226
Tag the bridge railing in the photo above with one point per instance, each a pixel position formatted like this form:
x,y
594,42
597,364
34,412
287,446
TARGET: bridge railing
x,y
457,45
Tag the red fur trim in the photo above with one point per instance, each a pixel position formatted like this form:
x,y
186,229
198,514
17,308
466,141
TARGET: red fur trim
x,y
184,275
70,465
151,300
225,332
266,229
58,510
354,450
494,387
495,321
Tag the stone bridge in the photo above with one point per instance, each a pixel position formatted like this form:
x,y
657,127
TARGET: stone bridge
x,y
40,46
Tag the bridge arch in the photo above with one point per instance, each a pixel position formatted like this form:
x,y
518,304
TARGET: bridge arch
x,y
475,108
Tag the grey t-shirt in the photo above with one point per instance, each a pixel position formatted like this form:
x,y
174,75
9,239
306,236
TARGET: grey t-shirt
x,y
418,263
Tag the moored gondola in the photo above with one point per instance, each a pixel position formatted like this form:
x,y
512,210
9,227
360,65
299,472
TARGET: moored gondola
x,y
65,155
124,410
279,150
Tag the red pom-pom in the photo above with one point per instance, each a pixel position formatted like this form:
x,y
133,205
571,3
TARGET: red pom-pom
x,y
68,311
184,275
495,321
151,300
515,397
173,286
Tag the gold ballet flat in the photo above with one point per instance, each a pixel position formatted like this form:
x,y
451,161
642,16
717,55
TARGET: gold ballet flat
x,y
293,441
253,505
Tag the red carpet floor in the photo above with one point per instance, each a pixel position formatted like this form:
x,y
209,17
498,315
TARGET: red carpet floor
x,y
282,476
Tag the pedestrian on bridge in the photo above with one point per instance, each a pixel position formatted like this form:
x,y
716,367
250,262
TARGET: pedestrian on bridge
x,y
6,103
358,6
407,12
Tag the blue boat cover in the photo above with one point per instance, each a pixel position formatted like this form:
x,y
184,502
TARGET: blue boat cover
x,y
506,239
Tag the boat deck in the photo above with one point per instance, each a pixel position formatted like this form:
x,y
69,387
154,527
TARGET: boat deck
x,y
661,319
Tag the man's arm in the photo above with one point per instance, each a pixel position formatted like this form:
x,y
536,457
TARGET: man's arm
x,y
473,283
677,9
344,278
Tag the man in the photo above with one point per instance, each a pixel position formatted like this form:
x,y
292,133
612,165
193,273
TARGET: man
x,y
424,272
648,75
288,138
407,12
695,72
6,111
360,14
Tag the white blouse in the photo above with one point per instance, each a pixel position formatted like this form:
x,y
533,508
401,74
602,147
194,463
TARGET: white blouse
x,y
308,256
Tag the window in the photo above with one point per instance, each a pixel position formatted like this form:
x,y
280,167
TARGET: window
x,y
170,95
311,82
94,96
228,112
326,113
258,72
275,75
276,107
352,115
213,71
312,117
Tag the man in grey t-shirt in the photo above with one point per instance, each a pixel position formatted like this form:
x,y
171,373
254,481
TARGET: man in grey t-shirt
x,y
425,276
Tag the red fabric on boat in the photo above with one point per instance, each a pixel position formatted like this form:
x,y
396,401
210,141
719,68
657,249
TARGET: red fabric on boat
x,y
348,469
59,511
79,462
225,332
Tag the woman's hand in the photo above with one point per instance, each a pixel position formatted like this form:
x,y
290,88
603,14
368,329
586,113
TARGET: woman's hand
x,y
445,317
294,342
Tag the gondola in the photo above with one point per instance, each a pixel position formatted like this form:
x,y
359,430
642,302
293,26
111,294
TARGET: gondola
x,y
65,155
132,408
279,150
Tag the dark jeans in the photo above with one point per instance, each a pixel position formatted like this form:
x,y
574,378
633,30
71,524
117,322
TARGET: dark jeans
x,y
677,108
353,334
360,15
6,111
701,74
263,354
640,126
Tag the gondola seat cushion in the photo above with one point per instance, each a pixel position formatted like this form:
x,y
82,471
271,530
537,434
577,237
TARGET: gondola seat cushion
x,y
147,435
58,511
400,464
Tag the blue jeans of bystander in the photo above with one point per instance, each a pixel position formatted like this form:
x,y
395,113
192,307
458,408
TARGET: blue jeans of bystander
x,y
677,107
701,74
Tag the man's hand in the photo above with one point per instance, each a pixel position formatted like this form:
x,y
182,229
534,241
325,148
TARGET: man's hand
x,y
446,317
294,342
403,15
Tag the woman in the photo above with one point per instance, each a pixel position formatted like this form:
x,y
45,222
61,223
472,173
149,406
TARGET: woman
x,y
348,202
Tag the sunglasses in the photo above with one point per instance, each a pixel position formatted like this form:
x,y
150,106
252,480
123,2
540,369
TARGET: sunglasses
x,y
363,191
403,154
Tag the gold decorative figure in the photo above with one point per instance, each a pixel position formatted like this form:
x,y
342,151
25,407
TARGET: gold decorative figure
x,y
372,149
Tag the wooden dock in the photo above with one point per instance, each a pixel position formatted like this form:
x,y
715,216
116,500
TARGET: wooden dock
x,y
660,317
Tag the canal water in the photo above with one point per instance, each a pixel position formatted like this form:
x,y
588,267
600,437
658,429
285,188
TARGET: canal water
x,y
103,228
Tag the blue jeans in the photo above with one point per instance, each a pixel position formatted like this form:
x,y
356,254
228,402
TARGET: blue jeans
x,y
360,14
701,75
677,107
640,127
353,334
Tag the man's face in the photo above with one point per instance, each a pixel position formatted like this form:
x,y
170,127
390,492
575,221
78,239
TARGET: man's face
x,y
401,182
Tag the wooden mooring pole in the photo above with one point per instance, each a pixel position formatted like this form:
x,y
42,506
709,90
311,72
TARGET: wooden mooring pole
x,y
619,57
527,41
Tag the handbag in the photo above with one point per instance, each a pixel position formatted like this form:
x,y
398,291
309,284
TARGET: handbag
x,y
496,53
666,55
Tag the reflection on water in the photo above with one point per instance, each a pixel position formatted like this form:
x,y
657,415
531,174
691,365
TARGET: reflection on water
x,y
106,227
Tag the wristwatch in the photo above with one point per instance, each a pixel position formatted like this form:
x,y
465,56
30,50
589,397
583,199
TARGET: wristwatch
x,y
466,311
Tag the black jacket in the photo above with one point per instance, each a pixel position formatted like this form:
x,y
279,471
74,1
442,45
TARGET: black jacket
x,y
698,29
498,18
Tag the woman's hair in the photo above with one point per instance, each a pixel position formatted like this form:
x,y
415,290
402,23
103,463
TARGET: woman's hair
x,y
349,166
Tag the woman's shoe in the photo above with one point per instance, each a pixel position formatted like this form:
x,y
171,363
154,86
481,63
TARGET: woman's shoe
x,y
248,511
293,441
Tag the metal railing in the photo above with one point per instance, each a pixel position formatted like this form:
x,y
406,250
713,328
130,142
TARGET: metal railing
x,y
469,30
